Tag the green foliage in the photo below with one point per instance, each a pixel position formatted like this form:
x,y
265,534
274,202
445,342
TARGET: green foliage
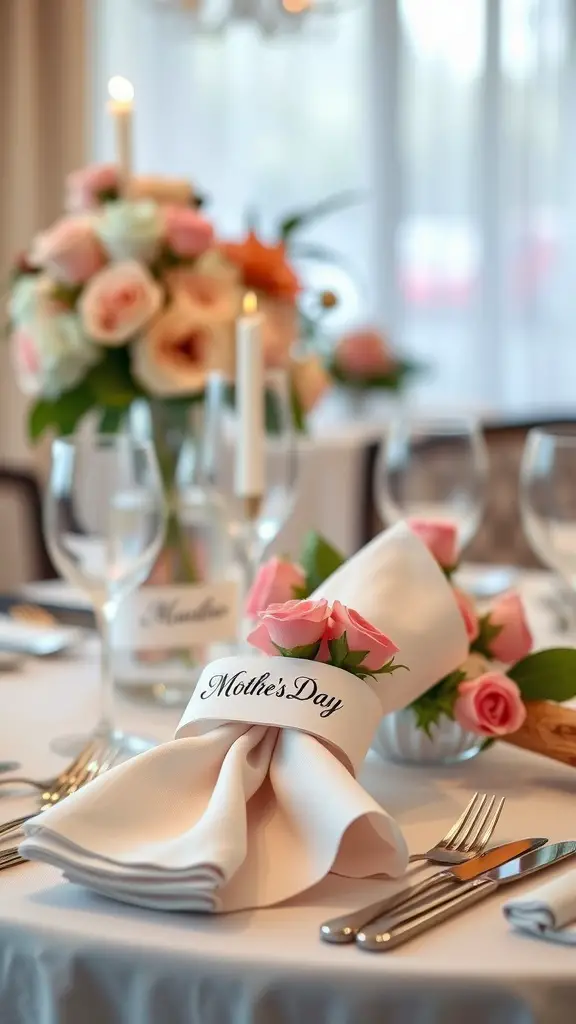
x,y
392,381
487,633
437,701
308,651
303,218
546,675
319,560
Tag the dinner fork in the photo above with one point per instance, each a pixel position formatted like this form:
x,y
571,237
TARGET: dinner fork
x,y
466,839
48,785
94,763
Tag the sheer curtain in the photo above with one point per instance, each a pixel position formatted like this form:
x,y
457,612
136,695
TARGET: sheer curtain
x,y
456,123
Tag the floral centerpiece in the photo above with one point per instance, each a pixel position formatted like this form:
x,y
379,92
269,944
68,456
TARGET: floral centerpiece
x,y
482,700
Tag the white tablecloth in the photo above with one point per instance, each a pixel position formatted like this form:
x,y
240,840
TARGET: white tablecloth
x,y
68,957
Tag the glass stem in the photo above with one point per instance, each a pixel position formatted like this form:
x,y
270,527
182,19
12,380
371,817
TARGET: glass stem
x,y
105,725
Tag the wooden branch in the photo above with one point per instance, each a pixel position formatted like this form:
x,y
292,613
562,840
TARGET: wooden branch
x,y
549,729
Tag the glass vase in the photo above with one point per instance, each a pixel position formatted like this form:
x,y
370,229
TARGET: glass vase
x,y
187,612
399,739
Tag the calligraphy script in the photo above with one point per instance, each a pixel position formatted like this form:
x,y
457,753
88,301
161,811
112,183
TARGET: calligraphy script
x,y
171,613
301,688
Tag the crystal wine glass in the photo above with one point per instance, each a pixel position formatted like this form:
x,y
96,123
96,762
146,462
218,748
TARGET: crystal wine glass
x,y
104,520
433,469
548,501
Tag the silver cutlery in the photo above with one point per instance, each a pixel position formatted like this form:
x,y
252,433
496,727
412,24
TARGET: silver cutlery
x,y
9,766
388,932
47,786
467,838
98,758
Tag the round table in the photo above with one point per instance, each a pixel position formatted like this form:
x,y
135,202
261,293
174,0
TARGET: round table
x,y
70,957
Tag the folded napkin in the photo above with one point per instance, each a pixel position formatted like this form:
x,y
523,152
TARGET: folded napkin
x,y
547,911
256,799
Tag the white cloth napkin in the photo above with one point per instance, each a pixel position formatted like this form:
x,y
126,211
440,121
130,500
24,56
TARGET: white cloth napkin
x,y
547,911
248,815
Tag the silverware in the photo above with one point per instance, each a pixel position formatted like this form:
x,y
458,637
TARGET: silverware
x,y
344,929
97,759
468,836
47,786
388,932
9,766
465,840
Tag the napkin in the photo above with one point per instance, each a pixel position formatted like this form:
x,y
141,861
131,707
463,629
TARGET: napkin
x,y
547,911
247,812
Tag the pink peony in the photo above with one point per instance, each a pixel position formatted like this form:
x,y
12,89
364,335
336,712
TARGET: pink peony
x,y
274,584
188,233
468,613
69,251
364,353
361,635
490,705
514,641
85,188
118,302
440,537
289,625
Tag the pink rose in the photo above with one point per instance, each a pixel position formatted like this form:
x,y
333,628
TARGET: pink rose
x,y
289,625
468,613
86,187
118,302
364,353
514,641
188,233
69,251
274,584
490,705
440,537
361,635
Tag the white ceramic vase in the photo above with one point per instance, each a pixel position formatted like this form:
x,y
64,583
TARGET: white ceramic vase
x,y
399,739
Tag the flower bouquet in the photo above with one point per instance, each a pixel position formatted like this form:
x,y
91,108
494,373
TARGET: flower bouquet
x,y
487,698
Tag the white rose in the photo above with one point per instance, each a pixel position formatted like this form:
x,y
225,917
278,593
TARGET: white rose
x,y
50,354
118,302
130,230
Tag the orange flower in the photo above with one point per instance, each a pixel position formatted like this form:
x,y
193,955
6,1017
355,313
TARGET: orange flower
x,y
264,267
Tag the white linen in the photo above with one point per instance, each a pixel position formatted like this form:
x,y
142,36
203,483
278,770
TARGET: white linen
x,y
547,911
68,956
249,815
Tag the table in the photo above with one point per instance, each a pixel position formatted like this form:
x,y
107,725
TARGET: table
x,y
69,957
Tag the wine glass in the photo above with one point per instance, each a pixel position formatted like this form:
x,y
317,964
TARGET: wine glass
x,y
433,469
104,521
548,501
253,523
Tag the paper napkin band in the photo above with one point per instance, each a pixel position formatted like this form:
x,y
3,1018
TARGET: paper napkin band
x,y
291,693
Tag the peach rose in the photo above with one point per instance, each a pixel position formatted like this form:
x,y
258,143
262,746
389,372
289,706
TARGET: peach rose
x,y
118,302
69,251
89,187
468,613
364,353
310,381
187,232
176,191
490,705
440,537
217,298
290,625
175,354
361,635
514,641
275,583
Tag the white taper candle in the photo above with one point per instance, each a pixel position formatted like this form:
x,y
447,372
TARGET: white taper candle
x,y
250,452
121,106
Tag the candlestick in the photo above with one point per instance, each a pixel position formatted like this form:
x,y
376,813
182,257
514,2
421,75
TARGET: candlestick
x,y
120,105
250,405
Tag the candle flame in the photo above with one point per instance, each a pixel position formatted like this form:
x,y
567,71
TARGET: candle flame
x,y
250,304
120,89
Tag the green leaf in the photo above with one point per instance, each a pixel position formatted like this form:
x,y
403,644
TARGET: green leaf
x,y
394,380
62,414
41,416
437,701
339,650
488,632
303,218
318,254
110,421
66,294
308,652
319,560
354,659
388,668
108,195
298,414
111,381
300,593
546,675
488,743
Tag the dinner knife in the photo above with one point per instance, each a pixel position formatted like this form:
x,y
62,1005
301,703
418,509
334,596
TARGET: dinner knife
x,y
345,928
390,931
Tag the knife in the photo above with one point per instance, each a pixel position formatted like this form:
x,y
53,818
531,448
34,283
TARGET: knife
x,y
344,929
392,930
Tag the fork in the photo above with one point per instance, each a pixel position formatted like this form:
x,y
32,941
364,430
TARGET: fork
x,y
48,785
466,839
94,763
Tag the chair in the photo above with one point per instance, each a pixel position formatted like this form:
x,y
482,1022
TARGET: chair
x,y
21,529
500,538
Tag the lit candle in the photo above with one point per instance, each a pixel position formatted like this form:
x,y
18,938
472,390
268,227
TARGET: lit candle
x,y
120,105
250,454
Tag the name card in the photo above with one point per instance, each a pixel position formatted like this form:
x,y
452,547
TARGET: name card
x,y
291,693
178,616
